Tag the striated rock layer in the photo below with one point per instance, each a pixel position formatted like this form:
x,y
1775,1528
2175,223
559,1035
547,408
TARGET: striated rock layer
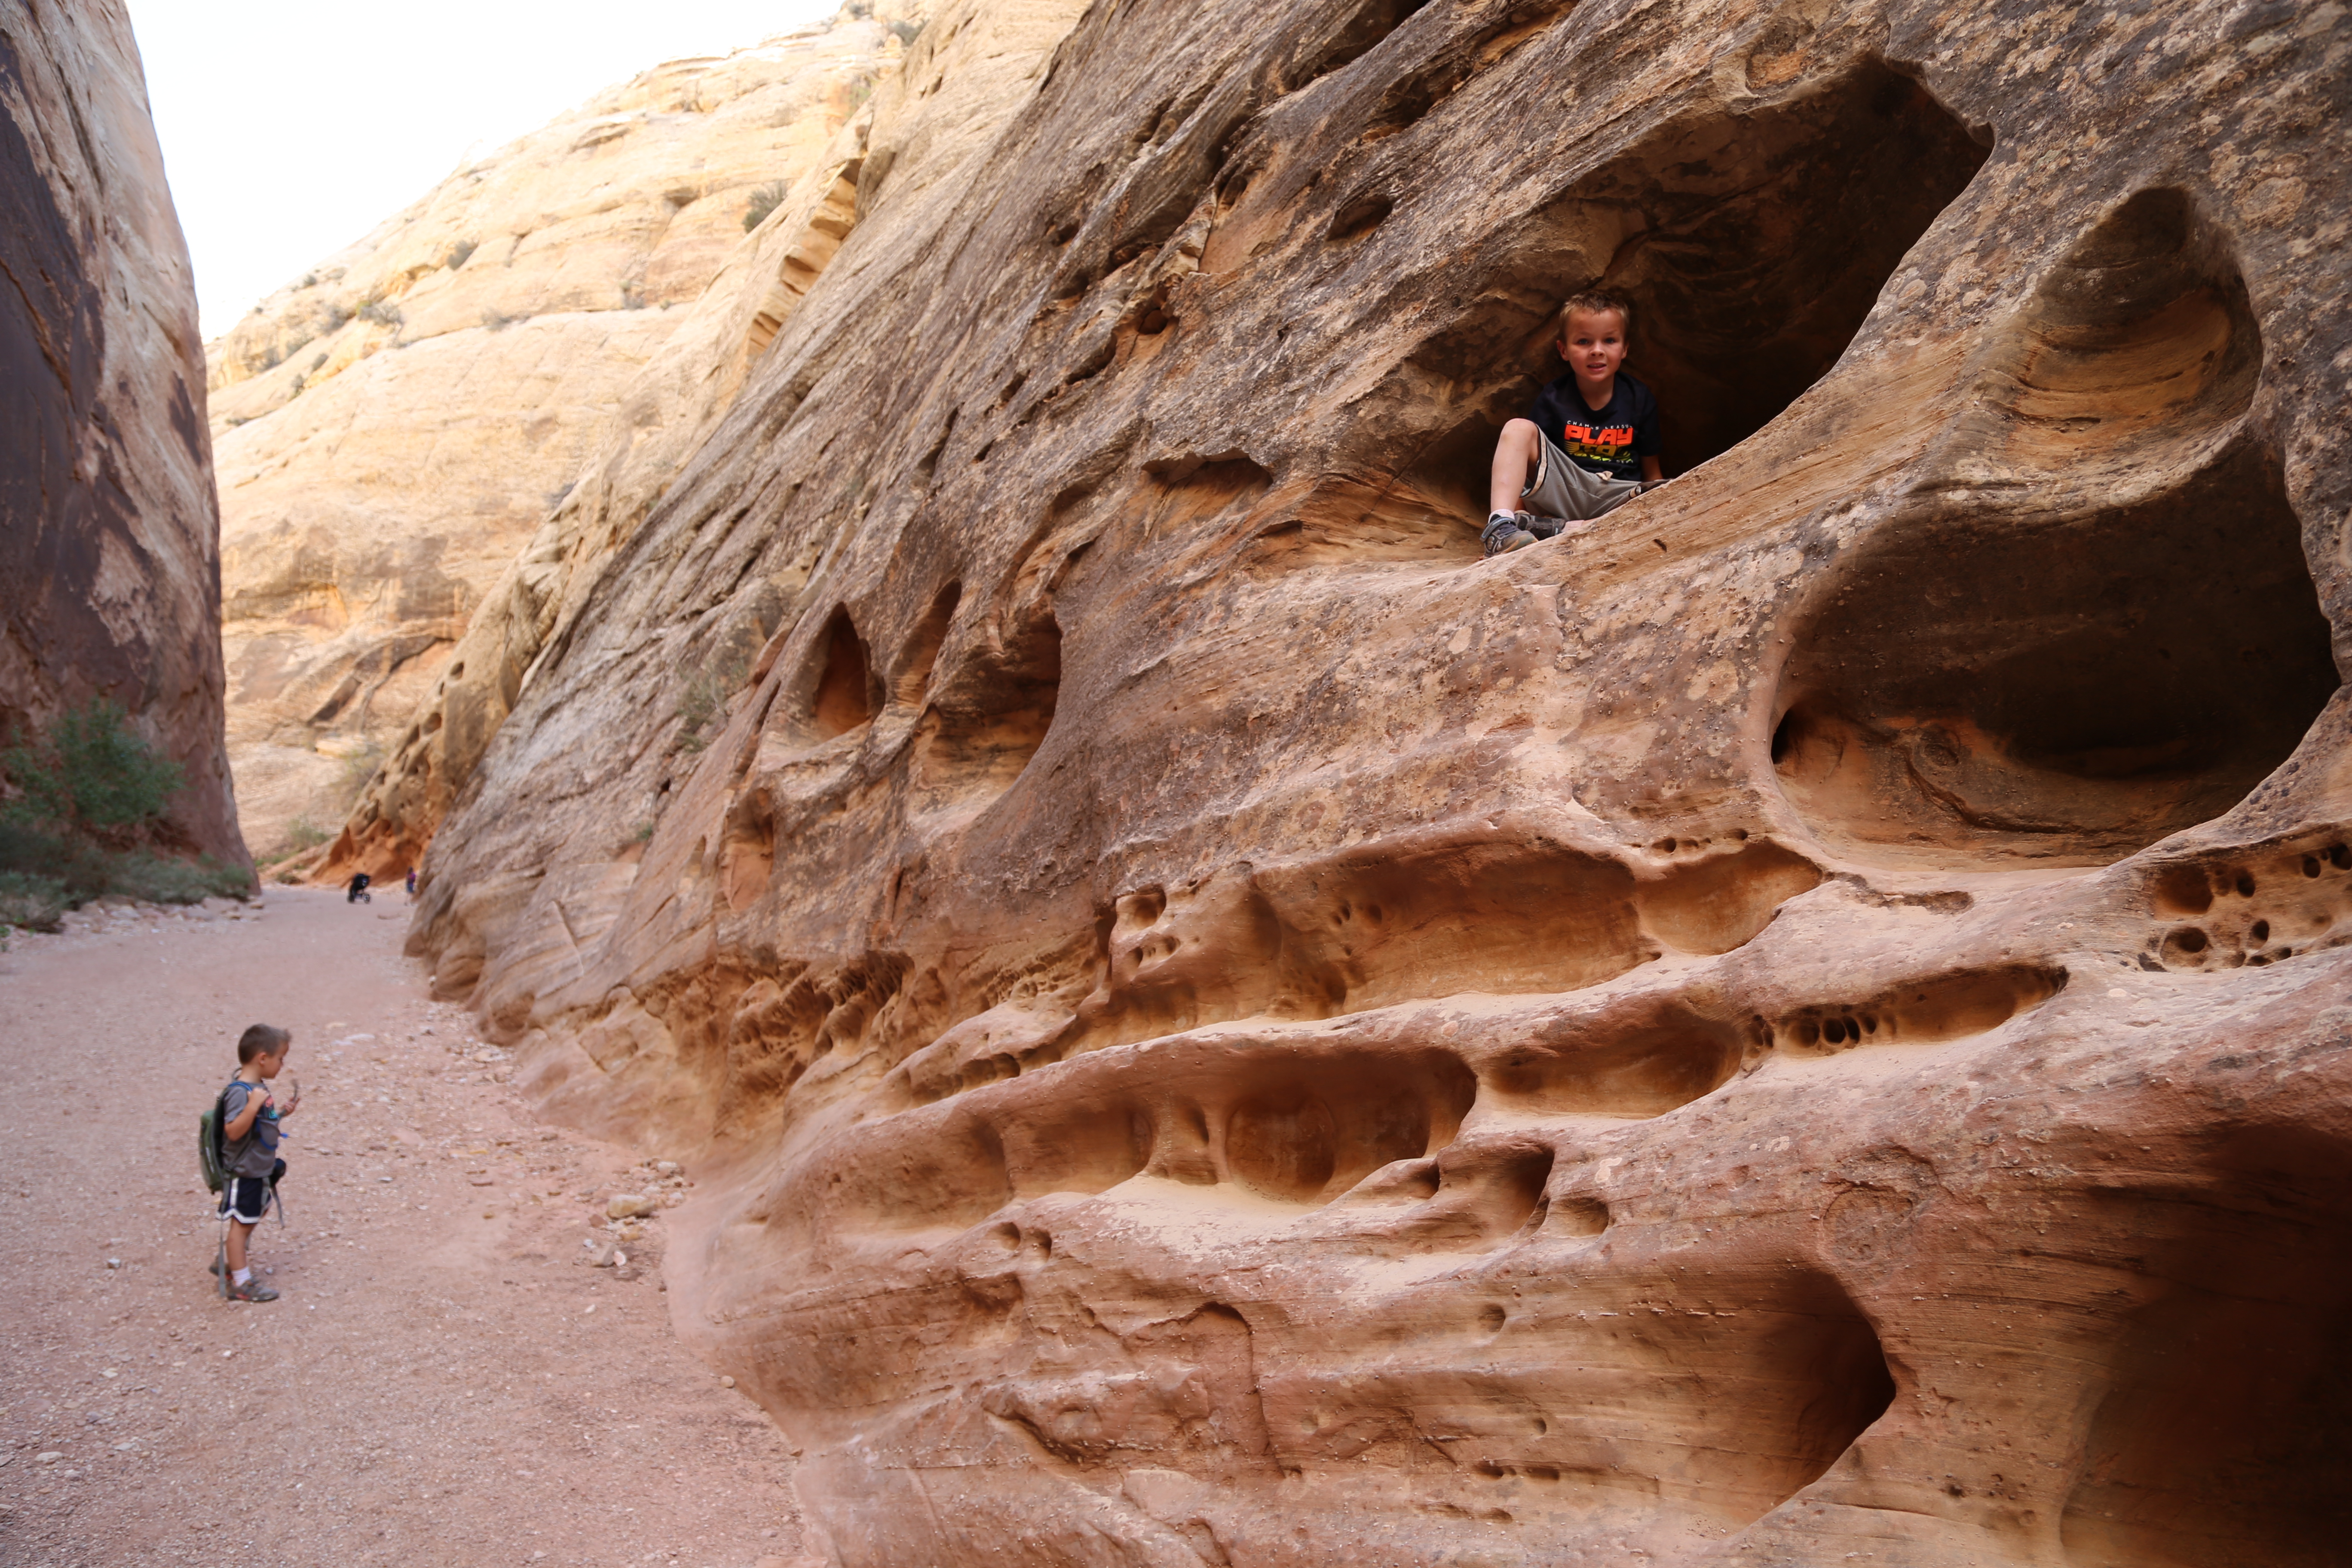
x,y
109,573
396,426
1804,1025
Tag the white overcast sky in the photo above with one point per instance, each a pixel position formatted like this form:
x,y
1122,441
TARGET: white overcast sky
x,y
292,127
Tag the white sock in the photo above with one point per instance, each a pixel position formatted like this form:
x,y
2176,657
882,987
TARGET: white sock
x,y
242,1277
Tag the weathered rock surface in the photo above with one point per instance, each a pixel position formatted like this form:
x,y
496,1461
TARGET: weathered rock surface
x,y
1804,1025
395,428
109,576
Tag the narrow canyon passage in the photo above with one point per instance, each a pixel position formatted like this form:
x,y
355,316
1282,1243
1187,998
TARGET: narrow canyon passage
x,y
443,1381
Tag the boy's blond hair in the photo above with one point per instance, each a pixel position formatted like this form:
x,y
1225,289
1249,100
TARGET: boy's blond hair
x,y
1593,301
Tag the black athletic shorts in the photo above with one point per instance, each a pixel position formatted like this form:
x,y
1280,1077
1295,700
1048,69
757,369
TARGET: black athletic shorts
x,y
246,1198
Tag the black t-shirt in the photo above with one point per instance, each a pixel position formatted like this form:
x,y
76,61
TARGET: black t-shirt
x,y
1612,441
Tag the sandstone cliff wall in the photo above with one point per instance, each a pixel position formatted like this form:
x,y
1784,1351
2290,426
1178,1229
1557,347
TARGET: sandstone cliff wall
x,y
396,426
1802,1025
109,581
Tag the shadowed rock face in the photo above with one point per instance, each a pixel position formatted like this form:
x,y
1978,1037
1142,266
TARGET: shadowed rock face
x,y
110,580
1802,1025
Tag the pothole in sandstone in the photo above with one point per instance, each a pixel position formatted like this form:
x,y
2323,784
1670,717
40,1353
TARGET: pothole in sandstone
x,y
988,714
1295,1128
1753,245
1358,932
2031,670
840,695
2293,900
1980,688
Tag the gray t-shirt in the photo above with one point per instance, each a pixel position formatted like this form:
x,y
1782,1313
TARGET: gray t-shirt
x,y
257,1152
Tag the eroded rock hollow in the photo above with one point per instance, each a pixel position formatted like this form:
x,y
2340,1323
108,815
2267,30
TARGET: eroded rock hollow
x,y
1804,1025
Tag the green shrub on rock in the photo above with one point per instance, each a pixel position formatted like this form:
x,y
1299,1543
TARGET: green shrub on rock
x,y
84,797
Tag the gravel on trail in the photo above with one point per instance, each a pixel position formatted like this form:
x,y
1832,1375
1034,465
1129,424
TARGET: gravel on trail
x,y
469,1364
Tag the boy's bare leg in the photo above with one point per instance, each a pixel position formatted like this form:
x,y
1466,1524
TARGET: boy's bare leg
x,y
1515,453
237,1233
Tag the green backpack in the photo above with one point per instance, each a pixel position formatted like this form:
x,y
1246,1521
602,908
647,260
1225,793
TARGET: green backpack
x,y
210,1155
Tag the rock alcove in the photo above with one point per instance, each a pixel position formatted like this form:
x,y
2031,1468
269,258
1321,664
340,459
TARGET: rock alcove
x,y
1751,243
2102,634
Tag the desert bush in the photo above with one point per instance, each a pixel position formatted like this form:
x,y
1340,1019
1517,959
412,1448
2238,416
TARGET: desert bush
x,y
907,31
701,702
381,314
31,901
88,776
705,698
358,769
459,253
162,880
765,199
87,794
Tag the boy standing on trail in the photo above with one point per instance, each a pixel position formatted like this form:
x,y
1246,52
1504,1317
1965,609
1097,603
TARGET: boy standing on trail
x,y
1591,439
249,1129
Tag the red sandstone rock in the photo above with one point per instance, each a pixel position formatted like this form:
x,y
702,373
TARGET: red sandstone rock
x,y
1805,1024
110,534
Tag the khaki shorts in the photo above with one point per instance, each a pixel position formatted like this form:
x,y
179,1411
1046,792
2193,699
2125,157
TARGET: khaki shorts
x,y
1564,487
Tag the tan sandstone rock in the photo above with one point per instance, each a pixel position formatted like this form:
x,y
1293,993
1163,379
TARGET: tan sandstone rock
x,y
109,581
395,426
1805,1024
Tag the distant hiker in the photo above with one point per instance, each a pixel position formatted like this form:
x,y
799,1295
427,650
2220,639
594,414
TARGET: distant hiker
x,y
412,881
358,892
249,1119
1591,439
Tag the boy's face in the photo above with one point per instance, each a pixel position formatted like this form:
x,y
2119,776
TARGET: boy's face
x,y
268,1066
1593,345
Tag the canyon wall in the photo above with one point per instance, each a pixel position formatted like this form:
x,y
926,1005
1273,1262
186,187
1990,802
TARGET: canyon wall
x,y
395,428
110,579
1802,1024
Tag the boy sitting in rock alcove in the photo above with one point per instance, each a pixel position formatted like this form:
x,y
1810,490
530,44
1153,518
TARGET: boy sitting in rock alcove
x,y
1591,443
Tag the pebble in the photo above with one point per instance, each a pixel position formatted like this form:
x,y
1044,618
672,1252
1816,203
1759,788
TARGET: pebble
x,y
726,1383
50,1456
628,1205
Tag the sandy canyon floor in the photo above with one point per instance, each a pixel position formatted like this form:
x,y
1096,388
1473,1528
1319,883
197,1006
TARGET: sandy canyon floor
x,y
444,1380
